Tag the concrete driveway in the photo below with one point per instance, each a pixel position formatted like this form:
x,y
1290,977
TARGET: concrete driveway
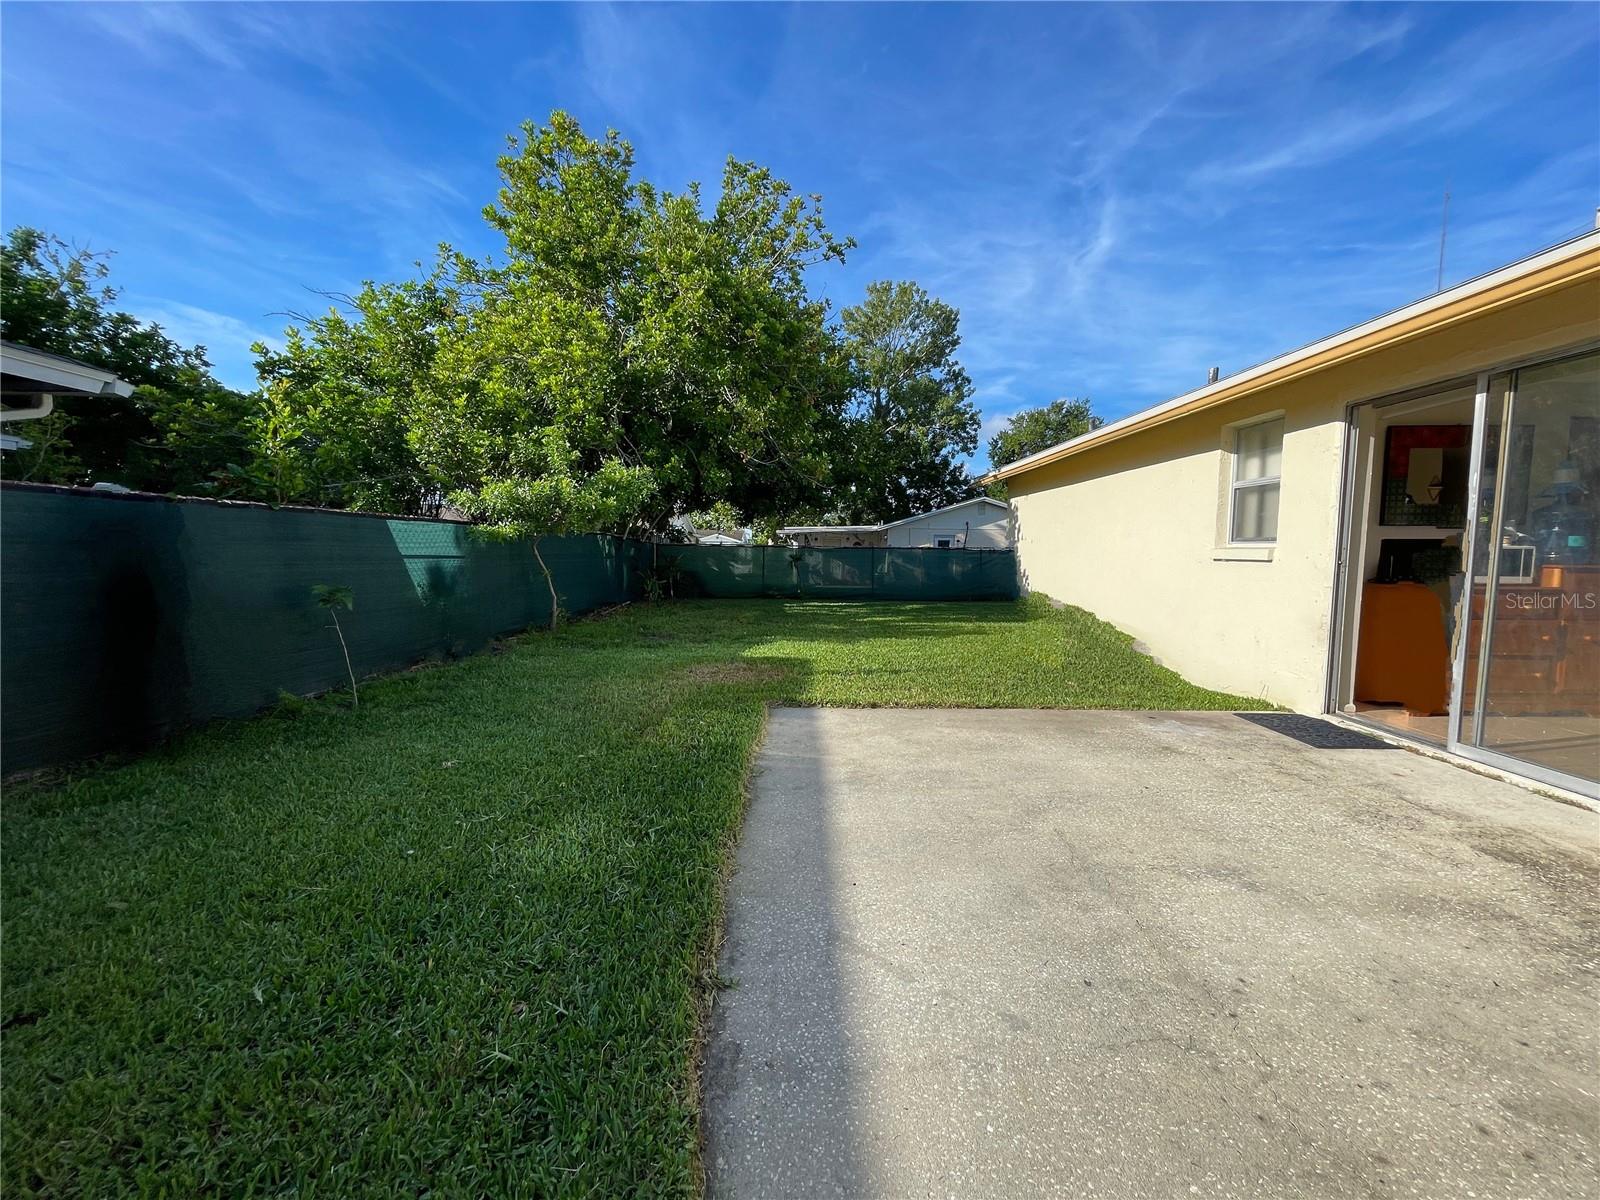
x,y
1001,953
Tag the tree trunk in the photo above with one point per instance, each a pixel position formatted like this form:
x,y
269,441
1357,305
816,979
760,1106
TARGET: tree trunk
x,y
555,601
355,695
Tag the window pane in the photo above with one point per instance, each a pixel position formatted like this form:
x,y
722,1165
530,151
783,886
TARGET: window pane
x,y
1252,453
1260,451
1255,513
1274,462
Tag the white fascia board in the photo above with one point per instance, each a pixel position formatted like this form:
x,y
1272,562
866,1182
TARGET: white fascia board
x,y
58,375
831,528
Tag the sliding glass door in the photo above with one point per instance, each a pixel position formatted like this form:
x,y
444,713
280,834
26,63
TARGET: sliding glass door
x,y
1527,673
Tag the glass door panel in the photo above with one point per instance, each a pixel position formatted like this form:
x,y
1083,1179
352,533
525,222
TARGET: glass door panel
x,y
1531,683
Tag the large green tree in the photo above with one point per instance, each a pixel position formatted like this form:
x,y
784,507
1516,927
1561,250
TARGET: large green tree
x,y
179,431
1037,429
640,329
911,419
670,337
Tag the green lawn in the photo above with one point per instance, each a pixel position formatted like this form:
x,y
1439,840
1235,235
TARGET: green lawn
x,y
453,942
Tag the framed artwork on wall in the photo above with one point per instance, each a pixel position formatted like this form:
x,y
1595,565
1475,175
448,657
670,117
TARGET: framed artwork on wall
x,y
1425,469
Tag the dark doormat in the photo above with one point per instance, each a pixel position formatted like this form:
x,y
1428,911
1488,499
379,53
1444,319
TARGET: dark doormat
x,y
1324,735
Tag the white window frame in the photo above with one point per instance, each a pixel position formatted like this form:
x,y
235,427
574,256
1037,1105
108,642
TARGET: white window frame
x,y
1235,484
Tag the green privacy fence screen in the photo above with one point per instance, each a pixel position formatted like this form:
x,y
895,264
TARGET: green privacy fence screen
x,y
847,573
126,617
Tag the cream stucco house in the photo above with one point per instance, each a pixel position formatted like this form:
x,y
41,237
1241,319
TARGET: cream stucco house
x,y
1397,523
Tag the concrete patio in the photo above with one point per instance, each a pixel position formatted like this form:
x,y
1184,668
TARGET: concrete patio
x,y
1019,953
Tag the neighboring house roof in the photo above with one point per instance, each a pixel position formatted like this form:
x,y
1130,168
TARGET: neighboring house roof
x,y
1000,504
1559,266
830,529
710,537
32,372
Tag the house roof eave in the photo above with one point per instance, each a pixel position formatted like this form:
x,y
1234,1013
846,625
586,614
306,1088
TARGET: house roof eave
x,y
1555,267
55,374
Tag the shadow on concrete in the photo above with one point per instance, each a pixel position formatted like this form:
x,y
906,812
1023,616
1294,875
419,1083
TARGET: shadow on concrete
x,y
781,1096
1313,731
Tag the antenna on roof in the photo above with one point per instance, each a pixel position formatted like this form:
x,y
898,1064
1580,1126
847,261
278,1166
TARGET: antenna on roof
x,y
1444,229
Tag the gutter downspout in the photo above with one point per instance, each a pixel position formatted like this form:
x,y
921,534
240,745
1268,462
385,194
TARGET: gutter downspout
x,y
34,413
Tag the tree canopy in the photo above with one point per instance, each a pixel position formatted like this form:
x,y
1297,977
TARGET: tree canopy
x,y
341,402
626,355
635,327
911,415
652,332
1038,429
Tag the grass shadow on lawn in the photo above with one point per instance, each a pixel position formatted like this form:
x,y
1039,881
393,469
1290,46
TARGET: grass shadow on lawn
x,y
457,940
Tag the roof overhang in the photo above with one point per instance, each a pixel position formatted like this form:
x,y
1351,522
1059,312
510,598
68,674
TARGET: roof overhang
x,y
30,380
1560,266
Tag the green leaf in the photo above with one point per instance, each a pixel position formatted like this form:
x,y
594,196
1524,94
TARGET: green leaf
x,y
333,596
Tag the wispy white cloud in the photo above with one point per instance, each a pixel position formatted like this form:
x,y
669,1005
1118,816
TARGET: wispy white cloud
x,y
639,69
1451,87
619,57
227,339
235,36
267,140
1332,137
994,420
166,31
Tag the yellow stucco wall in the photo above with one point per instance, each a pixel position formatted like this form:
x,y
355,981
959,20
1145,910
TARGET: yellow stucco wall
x,y
1134,530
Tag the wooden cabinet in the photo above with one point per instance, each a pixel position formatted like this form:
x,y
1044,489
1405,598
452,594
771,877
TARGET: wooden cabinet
x,y
1545,652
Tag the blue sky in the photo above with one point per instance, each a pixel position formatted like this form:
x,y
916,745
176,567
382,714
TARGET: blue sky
x,y
1115,197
